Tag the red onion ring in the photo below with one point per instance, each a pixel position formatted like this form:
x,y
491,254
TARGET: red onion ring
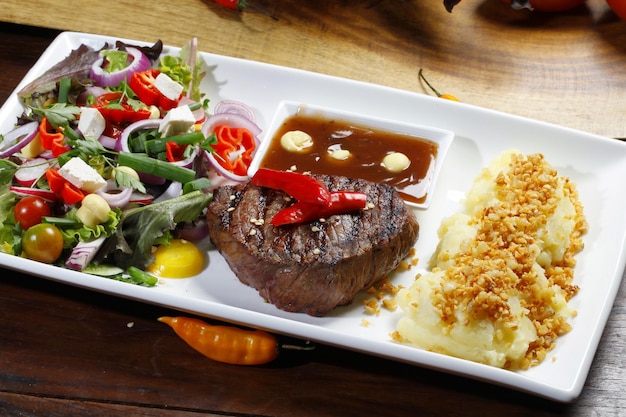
x,y
123,145
110,143
188,162
230,120
133,127
235,107
17,138
151,179
116,196
92,90
172,191
102,78
223,171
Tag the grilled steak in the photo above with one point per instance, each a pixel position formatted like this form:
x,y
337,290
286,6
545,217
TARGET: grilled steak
x,y
311,268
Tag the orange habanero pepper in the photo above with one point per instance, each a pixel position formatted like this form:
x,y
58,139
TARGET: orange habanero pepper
x,y
225,343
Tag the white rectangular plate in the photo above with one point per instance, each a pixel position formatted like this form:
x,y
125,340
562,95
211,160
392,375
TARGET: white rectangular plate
x,y
596,164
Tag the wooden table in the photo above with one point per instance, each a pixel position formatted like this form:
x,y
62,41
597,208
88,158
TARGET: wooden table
x,y
67,351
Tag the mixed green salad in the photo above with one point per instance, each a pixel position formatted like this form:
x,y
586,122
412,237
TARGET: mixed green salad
x,y
115,155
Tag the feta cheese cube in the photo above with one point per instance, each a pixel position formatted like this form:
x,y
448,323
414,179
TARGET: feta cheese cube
x,y
177,120
168,87
91,123
78,173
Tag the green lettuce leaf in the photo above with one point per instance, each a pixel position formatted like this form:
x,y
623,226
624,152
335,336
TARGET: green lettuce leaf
x,y
143,227
73,235
10,240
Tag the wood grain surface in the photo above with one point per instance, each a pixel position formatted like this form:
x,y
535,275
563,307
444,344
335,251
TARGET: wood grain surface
x,y
565,68
68,351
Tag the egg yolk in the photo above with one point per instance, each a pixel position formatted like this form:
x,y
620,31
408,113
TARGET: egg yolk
x,y
179,259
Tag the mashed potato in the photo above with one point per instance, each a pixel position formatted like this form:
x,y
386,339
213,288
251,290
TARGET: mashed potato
x,y
501,276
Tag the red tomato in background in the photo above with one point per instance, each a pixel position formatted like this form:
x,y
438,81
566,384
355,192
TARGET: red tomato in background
x,y
29,211
618,7
552,5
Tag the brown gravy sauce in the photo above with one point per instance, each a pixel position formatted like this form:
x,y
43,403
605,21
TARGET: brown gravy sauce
x,y
367,147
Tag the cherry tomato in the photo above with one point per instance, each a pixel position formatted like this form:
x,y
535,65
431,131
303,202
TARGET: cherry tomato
x,y
43,242
618,7
551,5
29,211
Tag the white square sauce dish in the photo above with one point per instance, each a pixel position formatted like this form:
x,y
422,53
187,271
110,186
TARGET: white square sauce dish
x,y
323,140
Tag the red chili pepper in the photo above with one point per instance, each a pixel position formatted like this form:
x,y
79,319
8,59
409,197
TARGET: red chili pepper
x,y
233,4
234,149
69,193
116,110
52,139
174,151
303,188
239,5
142,84
341,202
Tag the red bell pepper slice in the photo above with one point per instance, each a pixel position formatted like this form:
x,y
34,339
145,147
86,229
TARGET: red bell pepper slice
x,y
142,84
69,193
116,110
174,152
341,202
234,149
52,139
303,188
